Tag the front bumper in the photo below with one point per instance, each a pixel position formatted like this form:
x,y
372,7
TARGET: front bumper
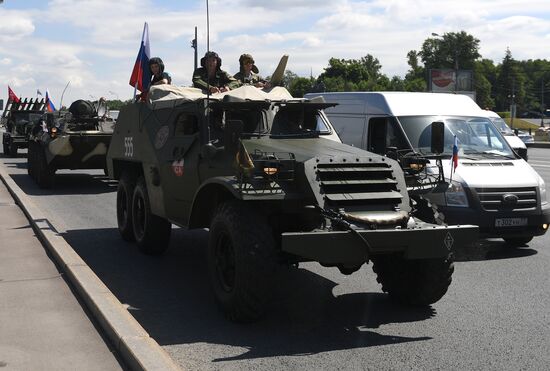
x,y
486,221
345,247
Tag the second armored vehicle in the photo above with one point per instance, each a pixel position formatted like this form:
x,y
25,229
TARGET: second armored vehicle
x,y
77,139
259,169
19,118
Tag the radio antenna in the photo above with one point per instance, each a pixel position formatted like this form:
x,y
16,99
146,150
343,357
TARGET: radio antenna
x,y
207,73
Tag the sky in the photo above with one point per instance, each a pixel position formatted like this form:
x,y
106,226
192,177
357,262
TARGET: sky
x,y
92,45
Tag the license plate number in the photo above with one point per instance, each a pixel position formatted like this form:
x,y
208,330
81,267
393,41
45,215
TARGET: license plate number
x,y
510,222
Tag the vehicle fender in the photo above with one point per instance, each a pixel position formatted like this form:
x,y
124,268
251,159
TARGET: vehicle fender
x,y
208,197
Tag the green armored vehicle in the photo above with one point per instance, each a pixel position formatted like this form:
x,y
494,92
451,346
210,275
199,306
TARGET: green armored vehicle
x,y
19,119
266,174
77,139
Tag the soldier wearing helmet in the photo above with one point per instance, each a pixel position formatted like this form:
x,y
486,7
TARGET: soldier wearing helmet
x,y
248,73
210,77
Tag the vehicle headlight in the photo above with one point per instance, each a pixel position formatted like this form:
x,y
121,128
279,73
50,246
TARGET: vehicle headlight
x,y
455,195
542,190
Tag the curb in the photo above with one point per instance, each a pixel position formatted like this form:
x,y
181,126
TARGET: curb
x,y
133,343
540,145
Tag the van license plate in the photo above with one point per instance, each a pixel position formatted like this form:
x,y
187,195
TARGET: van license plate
x,y
510,222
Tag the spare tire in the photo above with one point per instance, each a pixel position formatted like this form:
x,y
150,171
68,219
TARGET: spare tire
x,y
82,108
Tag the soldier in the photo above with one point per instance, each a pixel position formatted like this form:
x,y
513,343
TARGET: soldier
x,y
157,71
210,77
248,74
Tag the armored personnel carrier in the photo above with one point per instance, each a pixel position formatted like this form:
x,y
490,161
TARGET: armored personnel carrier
x,y
266,174
77,139
19,119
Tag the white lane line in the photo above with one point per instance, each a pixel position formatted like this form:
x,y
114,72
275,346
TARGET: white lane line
x,y
537,165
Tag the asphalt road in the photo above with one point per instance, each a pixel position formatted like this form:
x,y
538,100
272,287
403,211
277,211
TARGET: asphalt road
x,y
495,316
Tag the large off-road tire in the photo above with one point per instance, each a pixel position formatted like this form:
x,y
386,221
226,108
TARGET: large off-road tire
x,y
13,149
44,174
30,164
241,260
151,232
124,194
413,282
517,241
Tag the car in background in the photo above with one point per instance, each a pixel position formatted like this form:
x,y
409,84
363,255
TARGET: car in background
x,y
527,138
517,143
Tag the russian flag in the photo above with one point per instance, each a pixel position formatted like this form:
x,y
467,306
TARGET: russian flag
x,y
49,104
455,153
141,74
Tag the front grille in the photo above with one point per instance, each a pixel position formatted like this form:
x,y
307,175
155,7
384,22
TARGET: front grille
x,y
500,199
344,184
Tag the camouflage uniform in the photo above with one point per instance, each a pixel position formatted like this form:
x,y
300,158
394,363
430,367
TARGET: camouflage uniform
x,y
222,78
251,79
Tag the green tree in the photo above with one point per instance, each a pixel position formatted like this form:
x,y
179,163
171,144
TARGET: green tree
x,y
458,50
354,75
415,79
300,85
510,84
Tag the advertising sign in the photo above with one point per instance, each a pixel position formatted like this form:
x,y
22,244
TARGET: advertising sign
x,y
448,80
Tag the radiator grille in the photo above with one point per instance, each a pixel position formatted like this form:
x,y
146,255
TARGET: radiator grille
x,y
506,199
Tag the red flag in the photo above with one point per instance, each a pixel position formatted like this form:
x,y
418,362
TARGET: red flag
x,y
141,74
12,96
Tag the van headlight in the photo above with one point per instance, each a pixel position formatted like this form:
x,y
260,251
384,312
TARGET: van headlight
x,y
455,195
542,191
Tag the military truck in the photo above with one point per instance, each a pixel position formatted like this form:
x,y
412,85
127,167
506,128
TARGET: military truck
x,y
266,174
73,139
19,118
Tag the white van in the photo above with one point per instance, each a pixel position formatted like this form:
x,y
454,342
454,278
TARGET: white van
x,y
513,140
492,186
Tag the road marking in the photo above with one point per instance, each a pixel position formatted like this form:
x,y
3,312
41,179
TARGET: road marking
x,y
537,165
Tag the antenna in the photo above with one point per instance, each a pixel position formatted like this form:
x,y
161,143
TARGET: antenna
x,y
194,46
207,74
61,101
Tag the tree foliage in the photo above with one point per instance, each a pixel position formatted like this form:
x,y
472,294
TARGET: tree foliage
x,y
527,83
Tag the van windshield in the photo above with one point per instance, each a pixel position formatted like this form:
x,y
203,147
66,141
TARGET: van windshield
x,y
501,125
477,136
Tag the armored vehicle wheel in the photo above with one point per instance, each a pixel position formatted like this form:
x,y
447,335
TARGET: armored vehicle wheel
x,y
44,175
517,241
151,232
124,194
30,163
414,282
242,261
13,149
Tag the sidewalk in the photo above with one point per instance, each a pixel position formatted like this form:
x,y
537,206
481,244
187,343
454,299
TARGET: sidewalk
x,y
42,324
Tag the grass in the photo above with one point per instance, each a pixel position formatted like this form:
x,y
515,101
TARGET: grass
x,y
522,124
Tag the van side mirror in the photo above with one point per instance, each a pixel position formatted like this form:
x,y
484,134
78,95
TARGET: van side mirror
x,y
232,135
438,137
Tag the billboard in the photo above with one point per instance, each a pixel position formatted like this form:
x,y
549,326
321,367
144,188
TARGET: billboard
x,y
448,80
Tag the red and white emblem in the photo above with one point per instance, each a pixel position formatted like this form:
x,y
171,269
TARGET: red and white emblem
x,y
177,167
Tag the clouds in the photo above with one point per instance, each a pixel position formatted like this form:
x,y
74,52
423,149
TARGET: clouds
x,y
15,25
93,43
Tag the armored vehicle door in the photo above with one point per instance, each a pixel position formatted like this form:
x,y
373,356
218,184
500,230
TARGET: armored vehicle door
x,y
179,144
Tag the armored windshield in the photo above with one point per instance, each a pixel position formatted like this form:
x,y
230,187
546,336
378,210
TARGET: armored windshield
x,y
476,136
298,120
